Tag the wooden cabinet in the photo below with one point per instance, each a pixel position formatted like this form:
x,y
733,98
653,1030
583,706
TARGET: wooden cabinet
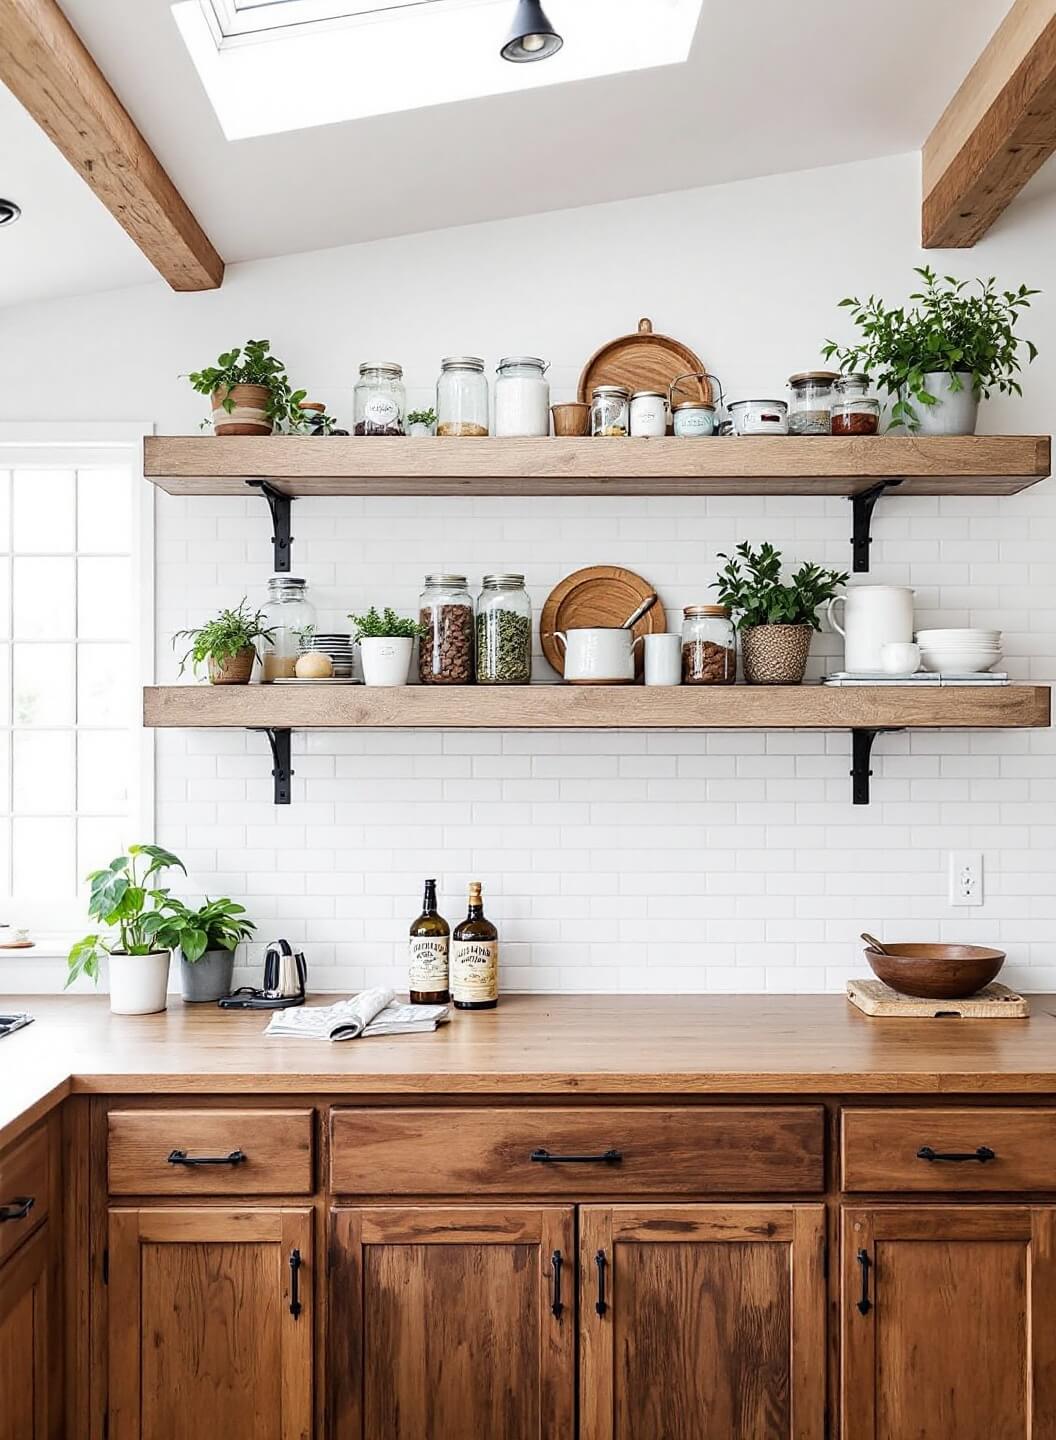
x,y
949,1323
28,1410
453,1323
211,1324
702,1322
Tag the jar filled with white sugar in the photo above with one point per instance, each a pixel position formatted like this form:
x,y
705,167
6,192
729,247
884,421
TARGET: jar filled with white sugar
x,y
522,396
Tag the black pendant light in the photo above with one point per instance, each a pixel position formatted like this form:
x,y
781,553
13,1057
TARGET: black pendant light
x,y
531,36
9,212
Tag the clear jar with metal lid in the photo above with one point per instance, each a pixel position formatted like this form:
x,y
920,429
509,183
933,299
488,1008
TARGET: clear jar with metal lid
x,y
504,631
648,413
610,411
709,646
445,650
811,404
291,617
854,410
522,396
379,399
462,397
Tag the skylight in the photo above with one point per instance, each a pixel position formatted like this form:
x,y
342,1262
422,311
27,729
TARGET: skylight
x,y
274,65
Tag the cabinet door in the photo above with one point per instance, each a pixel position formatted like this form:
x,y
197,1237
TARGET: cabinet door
x,y
949,1323
24,1342
702,1322
210,1324
453,1323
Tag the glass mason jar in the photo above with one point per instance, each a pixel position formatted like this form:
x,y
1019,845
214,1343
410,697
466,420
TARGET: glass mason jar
x,y
522,396
709,646
290,614
854,410
811,403
504,631
445,651
462,397
379,399
610,411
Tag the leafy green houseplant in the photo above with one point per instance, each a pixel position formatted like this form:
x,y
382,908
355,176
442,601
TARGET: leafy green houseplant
x,y
226,644
209,937
386,645
954,345
250,391
776,619
421,423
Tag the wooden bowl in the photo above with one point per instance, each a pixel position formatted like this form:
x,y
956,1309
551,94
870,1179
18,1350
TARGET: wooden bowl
x,y
571,418
936,972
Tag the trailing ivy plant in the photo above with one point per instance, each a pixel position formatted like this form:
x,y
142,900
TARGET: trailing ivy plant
x,y
386,626
141,918
253,364
951,329
224,637
750,585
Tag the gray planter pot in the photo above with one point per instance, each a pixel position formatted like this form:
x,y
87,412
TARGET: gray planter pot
x,y
209,978
956,412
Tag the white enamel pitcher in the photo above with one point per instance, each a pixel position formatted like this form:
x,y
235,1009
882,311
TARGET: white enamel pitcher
x,y
873,616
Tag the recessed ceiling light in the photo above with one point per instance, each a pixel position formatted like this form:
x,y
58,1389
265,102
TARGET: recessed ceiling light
x,y
9,212
531,36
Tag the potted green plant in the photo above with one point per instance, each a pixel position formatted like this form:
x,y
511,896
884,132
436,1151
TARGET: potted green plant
x,y
386,645
953,347
209,935
776,620
226,644
144,928
250,391
421,423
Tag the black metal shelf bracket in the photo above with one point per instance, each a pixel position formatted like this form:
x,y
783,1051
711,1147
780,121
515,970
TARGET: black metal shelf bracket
x,y
282,540
279,740
863,505
861,751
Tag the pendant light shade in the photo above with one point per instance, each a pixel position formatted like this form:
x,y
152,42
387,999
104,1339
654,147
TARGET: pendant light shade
x,y
531,36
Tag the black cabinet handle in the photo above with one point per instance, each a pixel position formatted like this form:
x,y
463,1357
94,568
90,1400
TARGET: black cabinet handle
x,y
601,1304
543,1157
864,1304
180,1157
16,1209
556,1263
295,1283
956,1157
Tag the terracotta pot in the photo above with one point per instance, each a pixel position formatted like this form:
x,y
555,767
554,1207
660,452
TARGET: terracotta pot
x,y
250,413
235,670
775,654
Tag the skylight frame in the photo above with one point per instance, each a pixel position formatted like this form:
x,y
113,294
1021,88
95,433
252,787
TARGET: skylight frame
x,y
231,20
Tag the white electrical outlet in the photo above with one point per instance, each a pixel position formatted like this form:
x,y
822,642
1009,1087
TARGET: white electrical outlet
x,y
966,877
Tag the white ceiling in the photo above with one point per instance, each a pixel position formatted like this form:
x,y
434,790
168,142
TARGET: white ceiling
x,y
770,86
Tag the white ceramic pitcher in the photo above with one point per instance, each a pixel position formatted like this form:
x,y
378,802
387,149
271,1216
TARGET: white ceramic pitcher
x,y
873,616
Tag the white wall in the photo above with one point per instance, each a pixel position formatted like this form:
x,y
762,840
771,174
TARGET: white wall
x,y
635,862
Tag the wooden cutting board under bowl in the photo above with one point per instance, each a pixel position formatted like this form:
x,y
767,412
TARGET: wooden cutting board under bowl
x,y
993,1002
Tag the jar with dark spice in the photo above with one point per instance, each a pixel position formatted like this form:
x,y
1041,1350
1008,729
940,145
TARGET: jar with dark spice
x,y
709,646
854,410
504,631
379,399
445,651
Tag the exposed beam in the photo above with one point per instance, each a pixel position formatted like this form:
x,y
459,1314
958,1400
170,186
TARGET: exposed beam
x,y
45,65
996,131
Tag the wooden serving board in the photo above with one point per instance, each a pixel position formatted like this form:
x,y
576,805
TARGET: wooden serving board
x,y
644,360
993,1002
603,595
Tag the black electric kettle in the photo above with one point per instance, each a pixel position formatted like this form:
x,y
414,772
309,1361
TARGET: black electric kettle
x,y
285,979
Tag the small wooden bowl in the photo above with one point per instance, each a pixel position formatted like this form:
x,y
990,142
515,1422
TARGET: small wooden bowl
x,y
936,972
572,418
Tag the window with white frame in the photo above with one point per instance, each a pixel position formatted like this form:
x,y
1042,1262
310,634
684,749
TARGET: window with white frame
x,y
76,647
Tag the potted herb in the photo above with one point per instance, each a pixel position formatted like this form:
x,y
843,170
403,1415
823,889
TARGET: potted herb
x,y
421,423
776,620
386,644
953,347
250,391
144,925
208,939
226,644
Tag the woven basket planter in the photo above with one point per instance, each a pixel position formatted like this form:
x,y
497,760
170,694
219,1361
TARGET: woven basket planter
x,y
235,670
775,654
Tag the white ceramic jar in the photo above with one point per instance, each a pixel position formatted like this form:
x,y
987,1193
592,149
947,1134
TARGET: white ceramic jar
x,y
648,413
759,417
522,396
694,420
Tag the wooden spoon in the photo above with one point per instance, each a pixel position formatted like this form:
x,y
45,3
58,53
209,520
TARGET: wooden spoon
x,y
874,943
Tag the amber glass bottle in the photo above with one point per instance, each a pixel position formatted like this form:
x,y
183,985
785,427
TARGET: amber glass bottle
x,y
475,958
430,939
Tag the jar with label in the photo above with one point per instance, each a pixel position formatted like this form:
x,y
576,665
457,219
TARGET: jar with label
x,y
445,650
854,410
462,397
759,417
610,411
291,616
648,413
811,403
522,396
379,399
709,646
694,420
504,631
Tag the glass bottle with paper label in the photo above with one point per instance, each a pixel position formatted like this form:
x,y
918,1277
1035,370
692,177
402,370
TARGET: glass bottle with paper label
x,y
429,945
475,958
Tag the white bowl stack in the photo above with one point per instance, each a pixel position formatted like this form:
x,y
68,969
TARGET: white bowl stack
x,y
339,647
959,652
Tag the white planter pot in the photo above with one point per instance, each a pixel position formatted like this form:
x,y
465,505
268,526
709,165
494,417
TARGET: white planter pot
x,y
956,412
386,661
138,983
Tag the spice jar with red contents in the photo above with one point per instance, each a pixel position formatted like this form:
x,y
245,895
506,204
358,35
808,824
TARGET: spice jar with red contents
x,y
709,646
854,410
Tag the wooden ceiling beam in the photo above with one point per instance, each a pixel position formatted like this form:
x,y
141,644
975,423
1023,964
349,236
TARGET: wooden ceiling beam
x,y
995,133
46,66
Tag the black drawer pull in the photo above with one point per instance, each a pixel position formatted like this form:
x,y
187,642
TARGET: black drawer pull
x,y
864,1304
955,1157
295,1283
601,1304
16,1209
543,1157
556,1263
180,1157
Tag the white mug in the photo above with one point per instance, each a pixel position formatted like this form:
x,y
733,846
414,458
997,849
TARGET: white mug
x,y
598,655
900,658
873,616
663,659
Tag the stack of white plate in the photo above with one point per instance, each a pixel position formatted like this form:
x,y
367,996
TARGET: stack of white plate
x,y
340,649
959,652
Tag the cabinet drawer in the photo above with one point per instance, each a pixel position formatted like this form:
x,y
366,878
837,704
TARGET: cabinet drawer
x,y
984,1149
24,1185
577,1153
210,1152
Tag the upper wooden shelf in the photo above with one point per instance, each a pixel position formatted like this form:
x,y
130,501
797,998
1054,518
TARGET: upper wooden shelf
x,y
762,465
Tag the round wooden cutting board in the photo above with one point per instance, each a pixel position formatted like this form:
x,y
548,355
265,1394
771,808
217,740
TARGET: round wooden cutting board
x,y
599,595
645,361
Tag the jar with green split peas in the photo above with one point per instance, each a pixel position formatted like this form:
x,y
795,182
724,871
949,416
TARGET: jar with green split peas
x,y
475,958
429,953
504,631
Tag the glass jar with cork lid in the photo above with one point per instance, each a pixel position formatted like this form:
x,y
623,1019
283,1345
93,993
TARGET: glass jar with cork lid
x,y
709,646
810,408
